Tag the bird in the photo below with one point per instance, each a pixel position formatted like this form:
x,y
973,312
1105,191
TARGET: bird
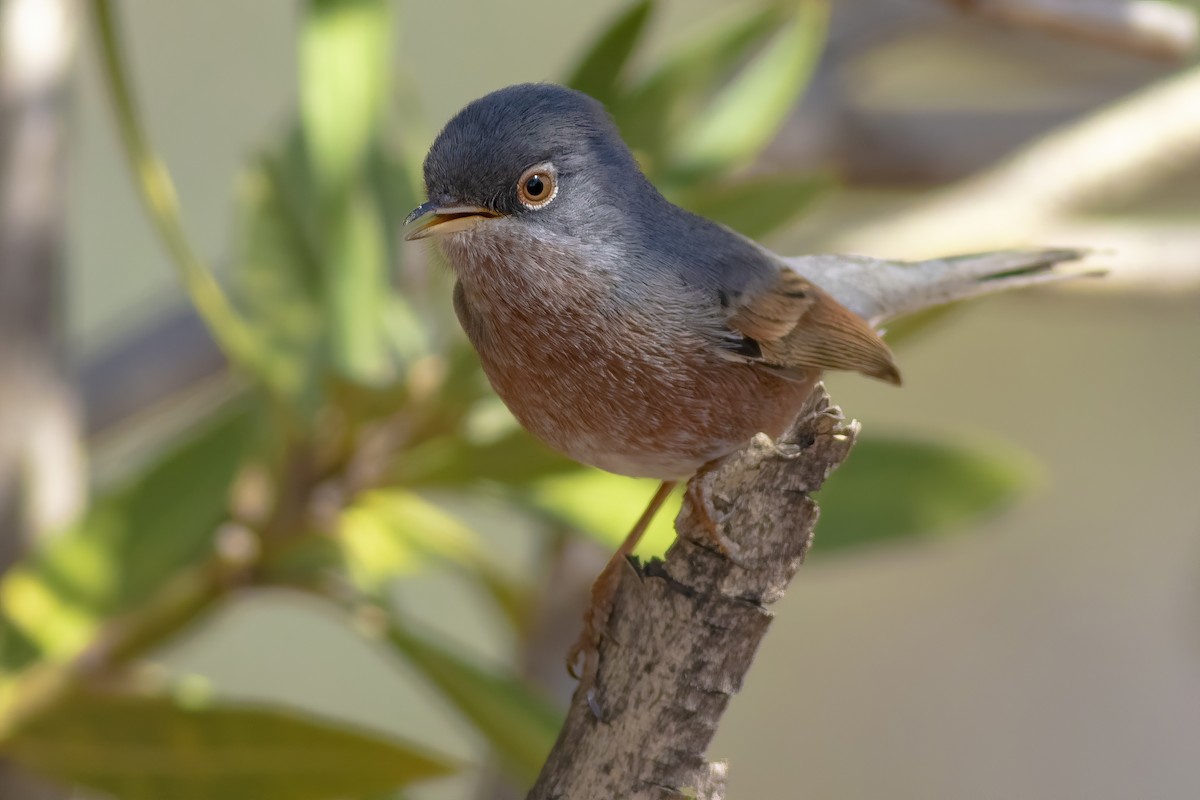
x,y
632,335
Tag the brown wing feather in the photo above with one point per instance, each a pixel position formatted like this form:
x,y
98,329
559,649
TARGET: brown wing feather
x,y
798,325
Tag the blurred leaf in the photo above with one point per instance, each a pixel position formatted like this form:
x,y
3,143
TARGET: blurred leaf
x,y
151,748
343,70
314,248
343,84
278,272
414,133
606,506
746,115
914,488
403,330
156,190
450,385
894,488
514,458
398,188
130,544
517,721
600,70
408,322
306,563
357,287
758,206
391,531
651,112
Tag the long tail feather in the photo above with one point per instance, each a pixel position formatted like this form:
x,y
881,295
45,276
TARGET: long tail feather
x,y
878,290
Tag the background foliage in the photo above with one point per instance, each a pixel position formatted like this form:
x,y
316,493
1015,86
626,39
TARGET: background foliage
x,y
362,426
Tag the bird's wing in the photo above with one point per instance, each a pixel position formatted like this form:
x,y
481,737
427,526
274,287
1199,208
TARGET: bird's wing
x,y
790,323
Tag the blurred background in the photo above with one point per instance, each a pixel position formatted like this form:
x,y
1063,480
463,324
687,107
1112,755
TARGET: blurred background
x,y
265,532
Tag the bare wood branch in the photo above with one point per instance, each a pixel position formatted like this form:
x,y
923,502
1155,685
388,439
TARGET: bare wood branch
x,y
684,631
1146,27
1120,152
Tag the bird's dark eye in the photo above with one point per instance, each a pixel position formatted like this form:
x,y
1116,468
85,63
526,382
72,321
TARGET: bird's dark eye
x,y
537,186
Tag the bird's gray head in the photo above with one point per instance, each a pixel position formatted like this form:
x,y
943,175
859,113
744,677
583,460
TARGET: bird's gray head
x,y
538,156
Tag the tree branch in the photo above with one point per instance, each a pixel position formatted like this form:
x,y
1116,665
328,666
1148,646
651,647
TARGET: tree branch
x,y
1115,155
1152,28
684,631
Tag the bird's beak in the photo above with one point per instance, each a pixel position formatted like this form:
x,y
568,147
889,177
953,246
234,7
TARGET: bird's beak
x,y
428,219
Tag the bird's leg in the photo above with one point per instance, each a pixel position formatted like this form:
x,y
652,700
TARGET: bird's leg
x,y
706,512
583,658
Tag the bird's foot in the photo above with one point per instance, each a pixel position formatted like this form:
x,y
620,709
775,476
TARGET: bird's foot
x,y
838,427
583,659
706,513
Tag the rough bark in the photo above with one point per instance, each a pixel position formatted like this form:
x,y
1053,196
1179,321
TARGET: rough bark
x,y
684,630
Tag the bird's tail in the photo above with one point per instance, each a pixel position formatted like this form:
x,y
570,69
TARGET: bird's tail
x,y
878,290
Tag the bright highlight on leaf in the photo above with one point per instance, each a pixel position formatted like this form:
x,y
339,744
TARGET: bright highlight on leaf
x,y
605,506
390,532
343,83
127,548
889,489
356,284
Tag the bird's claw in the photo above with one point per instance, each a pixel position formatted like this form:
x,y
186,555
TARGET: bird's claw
x,y
706,514
583,661
834,413
594,705
584,656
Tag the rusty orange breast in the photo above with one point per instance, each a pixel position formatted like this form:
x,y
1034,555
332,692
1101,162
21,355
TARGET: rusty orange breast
x,y
620,386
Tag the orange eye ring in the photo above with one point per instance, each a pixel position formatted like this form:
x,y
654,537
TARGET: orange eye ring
x,y
538,186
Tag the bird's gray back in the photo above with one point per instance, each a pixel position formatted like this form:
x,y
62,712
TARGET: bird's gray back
x,y
716,263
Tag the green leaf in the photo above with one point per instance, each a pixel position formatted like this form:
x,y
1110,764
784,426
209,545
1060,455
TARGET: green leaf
x,y
747,114
454,460
356,277
154,747
890,489
914,488
130,544
651,112
397,187
391,531
755,207
605,506
343,84
157,193
517,721
600,70
278,272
